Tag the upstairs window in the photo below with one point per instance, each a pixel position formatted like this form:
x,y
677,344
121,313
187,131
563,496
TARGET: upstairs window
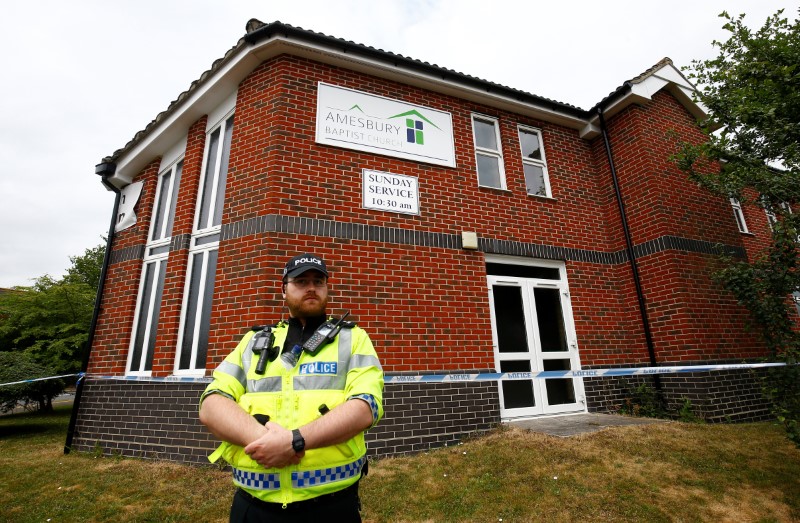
x,y
772,217
140,356
203,251
164,210
739,215
488,154
216,172
534,164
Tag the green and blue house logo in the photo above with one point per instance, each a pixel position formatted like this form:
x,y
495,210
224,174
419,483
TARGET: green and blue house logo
x,y
415,126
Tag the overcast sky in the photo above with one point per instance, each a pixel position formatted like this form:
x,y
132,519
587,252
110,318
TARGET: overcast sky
x,y
80,78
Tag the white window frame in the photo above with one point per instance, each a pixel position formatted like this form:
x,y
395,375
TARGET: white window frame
x,y
772,217
205,239
209,227
542,164
199,312
156,256
496,154
738,215
146,305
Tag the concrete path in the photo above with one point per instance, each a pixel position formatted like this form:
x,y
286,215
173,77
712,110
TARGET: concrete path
x,y
572,424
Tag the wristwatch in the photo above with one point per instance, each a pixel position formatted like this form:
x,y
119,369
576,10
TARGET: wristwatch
x,y
298,443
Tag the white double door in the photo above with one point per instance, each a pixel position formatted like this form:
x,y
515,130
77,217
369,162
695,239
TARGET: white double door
x,y
533,331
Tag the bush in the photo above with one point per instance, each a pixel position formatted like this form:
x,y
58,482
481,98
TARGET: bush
x,y
782,387
19,366
645,401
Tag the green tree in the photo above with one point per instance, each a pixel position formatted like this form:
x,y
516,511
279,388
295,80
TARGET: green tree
x,y
20,366
86,268
752,93
50,320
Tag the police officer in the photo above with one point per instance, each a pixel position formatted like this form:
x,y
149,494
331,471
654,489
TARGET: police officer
x,y
294,434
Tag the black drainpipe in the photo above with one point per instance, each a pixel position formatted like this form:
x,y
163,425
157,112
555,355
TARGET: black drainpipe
x,y
631,256
105,170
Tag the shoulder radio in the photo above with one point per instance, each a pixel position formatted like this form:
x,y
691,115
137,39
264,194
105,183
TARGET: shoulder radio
x,y
324,334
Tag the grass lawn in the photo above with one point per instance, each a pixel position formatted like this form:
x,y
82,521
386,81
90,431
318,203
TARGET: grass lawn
x,y
661,472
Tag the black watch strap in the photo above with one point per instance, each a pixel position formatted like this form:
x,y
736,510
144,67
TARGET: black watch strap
x,y
298,443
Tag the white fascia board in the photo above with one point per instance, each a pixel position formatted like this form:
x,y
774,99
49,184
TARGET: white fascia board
x,y
642,92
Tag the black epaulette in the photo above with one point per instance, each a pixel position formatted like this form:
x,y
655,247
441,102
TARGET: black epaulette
x,y
256,328
348,324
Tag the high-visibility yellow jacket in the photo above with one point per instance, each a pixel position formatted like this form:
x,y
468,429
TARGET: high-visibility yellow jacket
x,y
346,368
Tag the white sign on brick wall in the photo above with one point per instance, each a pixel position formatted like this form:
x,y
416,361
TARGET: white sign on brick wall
x,y
365,122
390,192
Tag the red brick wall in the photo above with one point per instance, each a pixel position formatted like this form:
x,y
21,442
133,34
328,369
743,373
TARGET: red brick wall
x,y
405,296
426,308
691,317
178,261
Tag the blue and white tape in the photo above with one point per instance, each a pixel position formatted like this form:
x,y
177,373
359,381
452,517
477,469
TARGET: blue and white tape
x,y
41,379
452,377
587,373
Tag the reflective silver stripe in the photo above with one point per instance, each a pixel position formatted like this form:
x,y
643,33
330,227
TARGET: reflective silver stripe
x,y
345,344
268,384
233,370
318,383
247,355
360,361
313,478
328,382
256,480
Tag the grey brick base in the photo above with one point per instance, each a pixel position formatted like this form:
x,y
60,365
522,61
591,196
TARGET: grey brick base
x,y
718,396
158,420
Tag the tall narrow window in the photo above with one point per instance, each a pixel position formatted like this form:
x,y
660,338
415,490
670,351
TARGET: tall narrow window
x,y
140,358
214,177
534,165
488,153
739,215
203,250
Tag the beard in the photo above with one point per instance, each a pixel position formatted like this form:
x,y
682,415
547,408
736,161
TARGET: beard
x,y
307,308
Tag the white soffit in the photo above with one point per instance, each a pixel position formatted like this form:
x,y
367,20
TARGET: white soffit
x,y
667,77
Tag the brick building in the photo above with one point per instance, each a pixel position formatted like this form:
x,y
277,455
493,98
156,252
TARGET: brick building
x,y
469,227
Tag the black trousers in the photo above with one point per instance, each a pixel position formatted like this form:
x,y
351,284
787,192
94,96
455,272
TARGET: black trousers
x,y
343,506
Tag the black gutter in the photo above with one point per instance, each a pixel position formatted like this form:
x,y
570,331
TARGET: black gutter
x,y
105,170
629,247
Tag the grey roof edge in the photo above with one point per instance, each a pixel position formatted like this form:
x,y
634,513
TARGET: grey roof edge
x,y
263,31
258,32
175,104
631,92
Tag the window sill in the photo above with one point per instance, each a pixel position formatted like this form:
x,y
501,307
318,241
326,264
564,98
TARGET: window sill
x,y
540,196
498,189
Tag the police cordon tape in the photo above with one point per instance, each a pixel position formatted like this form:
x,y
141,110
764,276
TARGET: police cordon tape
x,y
81,374
465,377
584,373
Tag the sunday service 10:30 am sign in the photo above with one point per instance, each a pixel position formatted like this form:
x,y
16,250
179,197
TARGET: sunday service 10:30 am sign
x,y
369,123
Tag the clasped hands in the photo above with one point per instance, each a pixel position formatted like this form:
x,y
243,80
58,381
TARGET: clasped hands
x,y
273,449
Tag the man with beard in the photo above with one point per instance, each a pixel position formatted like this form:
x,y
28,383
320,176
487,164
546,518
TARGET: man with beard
x,y
292,426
